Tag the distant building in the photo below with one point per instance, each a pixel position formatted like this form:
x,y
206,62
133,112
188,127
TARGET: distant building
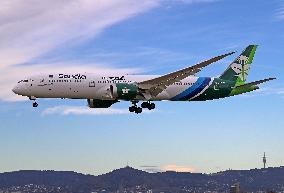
x,y
235,188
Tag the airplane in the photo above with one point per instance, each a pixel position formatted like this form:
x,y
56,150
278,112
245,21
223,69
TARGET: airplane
x,y
102,91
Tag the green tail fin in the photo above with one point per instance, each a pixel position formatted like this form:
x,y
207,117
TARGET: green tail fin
x,y
238,70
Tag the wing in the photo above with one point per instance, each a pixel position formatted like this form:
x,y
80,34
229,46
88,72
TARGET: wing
x,y
157,85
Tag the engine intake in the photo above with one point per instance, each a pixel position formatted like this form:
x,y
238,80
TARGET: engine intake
x,y
96,103
125,91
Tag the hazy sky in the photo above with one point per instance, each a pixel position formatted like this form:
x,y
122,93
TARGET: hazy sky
x,y
149,37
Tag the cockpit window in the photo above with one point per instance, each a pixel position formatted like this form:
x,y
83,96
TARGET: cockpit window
x,y
23,81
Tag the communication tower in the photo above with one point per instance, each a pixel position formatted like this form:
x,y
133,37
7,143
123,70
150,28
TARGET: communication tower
x,y
264,161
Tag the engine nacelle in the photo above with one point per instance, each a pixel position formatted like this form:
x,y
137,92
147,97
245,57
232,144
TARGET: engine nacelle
x,y
96,103
124,91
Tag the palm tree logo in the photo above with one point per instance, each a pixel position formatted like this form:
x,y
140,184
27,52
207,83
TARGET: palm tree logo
x,y
243,61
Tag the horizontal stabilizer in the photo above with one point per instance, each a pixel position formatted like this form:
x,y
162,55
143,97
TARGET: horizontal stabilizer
x,y
255,83
248,87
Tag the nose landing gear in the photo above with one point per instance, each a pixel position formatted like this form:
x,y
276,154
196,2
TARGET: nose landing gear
x,y
35,104
32,98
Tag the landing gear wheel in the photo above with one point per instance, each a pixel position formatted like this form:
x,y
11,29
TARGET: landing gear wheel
x,y
151,106
145,105
148,105
35,104
138,110
132,109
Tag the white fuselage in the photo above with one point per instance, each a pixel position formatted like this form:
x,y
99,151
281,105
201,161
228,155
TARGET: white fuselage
x,y
89,86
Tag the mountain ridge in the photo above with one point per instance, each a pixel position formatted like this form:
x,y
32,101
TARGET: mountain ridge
x,y
130,178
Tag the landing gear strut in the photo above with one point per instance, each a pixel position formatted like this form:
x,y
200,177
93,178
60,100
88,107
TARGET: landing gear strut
x,y
148,105
134,108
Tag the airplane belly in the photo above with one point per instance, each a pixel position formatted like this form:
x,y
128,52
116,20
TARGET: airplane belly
x,y
51,91
57,91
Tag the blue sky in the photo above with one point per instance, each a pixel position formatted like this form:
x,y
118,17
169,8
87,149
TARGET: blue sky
x,y
154,37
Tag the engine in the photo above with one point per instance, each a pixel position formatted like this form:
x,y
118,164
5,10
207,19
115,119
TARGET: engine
x,y
123,91
95,103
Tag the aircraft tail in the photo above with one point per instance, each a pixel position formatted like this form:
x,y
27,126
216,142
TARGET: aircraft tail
x,y
238,70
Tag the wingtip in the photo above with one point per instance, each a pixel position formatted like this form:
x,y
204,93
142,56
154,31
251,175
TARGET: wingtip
x,y
270,78
230,53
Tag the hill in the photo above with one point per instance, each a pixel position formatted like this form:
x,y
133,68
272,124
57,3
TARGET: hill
x,y
129,179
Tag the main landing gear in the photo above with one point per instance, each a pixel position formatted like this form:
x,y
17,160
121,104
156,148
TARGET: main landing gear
x,y
148,105
35,104
134,108
138,110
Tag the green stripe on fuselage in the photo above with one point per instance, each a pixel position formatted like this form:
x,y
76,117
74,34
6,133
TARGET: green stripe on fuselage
x,y
220,88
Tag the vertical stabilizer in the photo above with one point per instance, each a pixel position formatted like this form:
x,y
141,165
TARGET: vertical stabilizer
x,y
238,70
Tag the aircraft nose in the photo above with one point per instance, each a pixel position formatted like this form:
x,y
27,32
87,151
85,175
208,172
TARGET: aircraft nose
x,y
16,89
